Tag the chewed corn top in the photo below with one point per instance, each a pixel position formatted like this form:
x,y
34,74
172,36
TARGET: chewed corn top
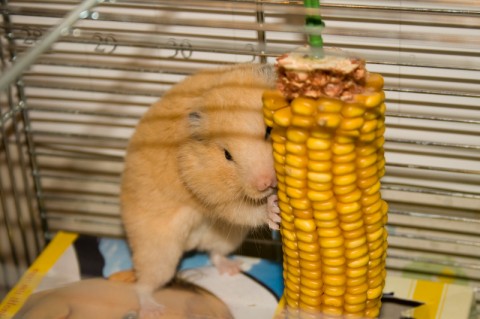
x,y
337,76
304,62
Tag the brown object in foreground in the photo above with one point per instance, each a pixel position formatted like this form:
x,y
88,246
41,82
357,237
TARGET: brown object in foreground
x,y
329,159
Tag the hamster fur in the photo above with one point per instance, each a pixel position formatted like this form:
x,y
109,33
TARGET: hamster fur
x,y
198,172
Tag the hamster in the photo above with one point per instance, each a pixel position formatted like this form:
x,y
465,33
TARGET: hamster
x,y
199,173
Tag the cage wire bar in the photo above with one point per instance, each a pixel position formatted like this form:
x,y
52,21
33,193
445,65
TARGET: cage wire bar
x,y
65,128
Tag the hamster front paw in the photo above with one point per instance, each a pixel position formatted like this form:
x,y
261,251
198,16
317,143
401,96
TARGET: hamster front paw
x,y
273,212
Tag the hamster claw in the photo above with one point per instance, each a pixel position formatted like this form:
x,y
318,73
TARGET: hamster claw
x,y
273,212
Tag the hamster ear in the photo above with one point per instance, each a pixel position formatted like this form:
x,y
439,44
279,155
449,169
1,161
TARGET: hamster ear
x,y
195,120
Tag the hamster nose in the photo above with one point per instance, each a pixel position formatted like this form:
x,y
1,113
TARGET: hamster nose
x,y
265,182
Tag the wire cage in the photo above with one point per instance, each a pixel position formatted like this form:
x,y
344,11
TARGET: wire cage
x,y
77,76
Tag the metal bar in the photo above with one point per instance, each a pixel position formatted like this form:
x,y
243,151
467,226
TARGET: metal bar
x,y
12,74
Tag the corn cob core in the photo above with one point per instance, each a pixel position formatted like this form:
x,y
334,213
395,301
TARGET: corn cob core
x,y
329,159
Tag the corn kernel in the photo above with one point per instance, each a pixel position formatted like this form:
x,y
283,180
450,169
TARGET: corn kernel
x,y
353,196
304,106
334,280
347,158
331,242
343,168
325,215
306,237
296,148
351,124
319,177
306,225
333,270
296,160
318,144
319,166
319,155
354,299
300,173
342,149
334,261
294,182
329,232
319,196
309,248
302,213
320,187
343,180
344,189
297,135
308,256
374,81
283,117
302,121
328,120
334,301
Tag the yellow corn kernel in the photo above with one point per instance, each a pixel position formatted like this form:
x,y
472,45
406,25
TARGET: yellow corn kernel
x,y
351,124
289,235
302,121
336,252
308,256
304,106
302,213
309,248
300,173
334,301
310,265
306,225
354,299
320,187
342,149
359,262
283,117
301,203
294,182
354,243
319,166
334,280
274,99
325,215
329,232
332,270
374,292
296,160
350,218
329,105
343,168
366,161
344,189
319,196
328,120
357,252
354,233
343,180
295,148
297,135
331,242
353,196
319,155
348,208
355,281
375,99
319,177
374,81
318,144
296,192
311,301
306,236
346,158
310,292
350,110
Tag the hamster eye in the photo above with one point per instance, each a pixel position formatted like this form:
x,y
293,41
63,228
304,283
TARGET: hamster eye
x,y
268,131
228,156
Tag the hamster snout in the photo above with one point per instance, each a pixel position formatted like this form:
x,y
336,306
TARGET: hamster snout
x,y
265,181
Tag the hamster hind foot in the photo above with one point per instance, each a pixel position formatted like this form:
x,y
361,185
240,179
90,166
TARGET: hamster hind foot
x,y
149,307
225,265
273,212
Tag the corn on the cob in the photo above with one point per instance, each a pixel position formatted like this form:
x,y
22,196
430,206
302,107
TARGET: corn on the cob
x,y
329,159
